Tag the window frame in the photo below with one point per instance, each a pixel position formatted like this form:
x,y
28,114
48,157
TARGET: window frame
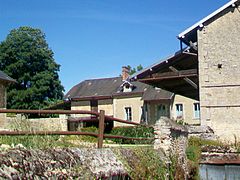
x,y
128,113
196,105
179,108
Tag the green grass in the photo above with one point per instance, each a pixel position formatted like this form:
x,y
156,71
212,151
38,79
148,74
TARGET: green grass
x,y
35,141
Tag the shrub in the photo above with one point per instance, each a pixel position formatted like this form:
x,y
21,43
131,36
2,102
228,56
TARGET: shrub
x,y
133,131
88,138
195,141
143,162
193,153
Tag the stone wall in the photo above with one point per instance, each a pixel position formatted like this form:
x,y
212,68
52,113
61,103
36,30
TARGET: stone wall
x,y
21,163
80,105
219,72
39,124
167,131
172,138
2,103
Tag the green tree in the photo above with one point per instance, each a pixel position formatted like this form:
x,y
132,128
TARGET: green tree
x,y
134,70
26,57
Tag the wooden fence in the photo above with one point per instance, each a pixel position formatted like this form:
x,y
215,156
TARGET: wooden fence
x,y
96,116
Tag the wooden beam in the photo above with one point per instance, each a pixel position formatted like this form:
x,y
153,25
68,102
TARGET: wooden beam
x,y
39,111
177,73
193,54
193,45
189,81
101,128
166,77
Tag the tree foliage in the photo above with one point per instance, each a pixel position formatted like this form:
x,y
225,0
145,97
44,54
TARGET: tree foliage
x,y
26,57
134,70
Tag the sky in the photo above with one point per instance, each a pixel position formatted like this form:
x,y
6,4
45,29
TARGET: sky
x,y
95,38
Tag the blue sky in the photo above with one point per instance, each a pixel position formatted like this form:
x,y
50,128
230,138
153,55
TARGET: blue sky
x,y
95,38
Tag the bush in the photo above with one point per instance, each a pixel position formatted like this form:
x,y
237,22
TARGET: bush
x,y
193,153
88,138
198,142
133,131
142,162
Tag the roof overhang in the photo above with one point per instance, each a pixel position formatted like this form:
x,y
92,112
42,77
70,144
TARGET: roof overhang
x,y
177,74
66,105
190,34
127,94
159,66
167,100
6,79
88,98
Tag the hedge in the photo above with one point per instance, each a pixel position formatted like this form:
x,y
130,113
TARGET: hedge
x,y
133,131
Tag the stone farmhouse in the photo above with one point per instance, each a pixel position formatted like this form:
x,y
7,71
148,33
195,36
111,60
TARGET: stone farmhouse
x,y
4,81
132,101
206,69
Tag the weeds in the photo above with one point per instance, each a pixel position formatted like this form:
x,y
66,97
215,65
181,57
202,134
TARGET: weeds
x,y
34,141
194,151
143,163
21,123
147,163
133,131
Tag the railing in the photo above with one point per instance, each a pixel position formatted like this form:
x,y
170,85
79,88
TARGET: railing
x,y
96,116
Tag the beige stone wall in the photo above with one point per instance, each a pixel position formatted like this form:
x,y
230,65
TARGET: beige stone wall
x,y
3,103
39,124
80,105
219,74
119,108
107,106
188,109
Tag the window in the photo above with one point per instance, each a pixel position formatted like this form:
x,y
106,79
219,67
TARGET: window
x,y
128,113
196,107
179,111
161,111
127,88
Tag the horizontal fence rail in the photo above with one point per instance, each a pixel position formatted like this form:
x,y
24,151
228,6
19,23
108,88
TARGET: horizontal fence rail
x,y
99,117
21,111
95,119
16,133
83,119
120,120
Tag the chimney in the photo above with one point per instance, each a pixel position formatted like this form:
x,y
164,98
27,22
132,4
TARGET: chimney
x,y
125,73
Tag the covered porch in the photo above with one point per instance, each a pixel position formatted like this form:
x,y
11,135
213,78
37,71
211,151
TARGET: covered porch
x,y
177,73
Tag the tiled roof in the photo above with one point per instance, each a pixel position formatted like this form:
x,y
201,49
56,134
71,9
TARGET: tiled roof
x,y
152,94
5,77
95,87
112,86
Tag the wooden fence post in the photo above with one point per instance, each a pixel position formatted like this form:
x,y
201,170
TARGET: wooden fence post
x,y
101,128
